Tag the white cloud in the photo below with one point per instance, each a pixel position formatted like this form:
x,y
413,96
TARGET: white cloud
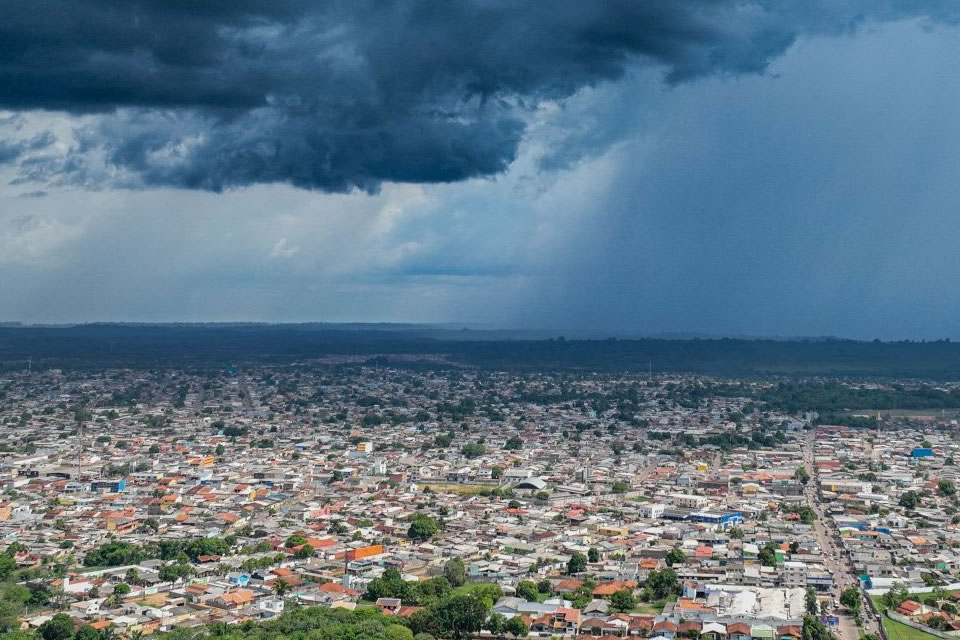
x,y
33,240
281,249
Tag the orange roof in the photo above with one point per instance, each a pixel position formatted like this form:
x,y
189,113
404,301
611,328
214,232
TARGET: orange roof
x,y
685,604
568,584
239,596
332,587
589,623
610,588
909,606
570,615
641,622
317,543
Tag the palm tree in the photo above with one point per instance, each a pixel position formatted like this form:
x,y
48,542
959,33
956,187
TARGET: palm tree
x,y
280,587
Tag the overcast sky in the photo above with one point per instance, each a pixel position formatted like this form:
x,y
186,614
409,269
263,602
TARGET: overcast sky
x,y
714,166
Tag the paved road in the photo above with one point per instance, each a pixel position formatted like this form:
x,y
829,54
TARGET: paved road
x,y
201,395
835,558
848,628
246,399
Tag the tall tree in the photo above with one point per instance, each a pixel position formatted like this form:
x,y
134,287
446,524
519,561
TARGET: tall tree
x,y
623,600
455,571
850,598
577,563
461,616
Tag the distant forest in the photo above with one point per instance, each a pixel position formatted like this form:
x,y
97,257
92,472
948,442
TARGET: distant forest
x,y
175,345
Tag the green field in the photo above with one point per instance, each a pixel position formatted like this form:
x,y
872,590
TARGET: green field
x,y
899,631
878,600
655,607
470,587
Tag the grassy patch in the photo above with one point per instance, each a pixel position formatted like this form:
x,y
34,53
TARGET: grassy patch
x,y
647,608
878,600
153,600
899,631
655,606
469,588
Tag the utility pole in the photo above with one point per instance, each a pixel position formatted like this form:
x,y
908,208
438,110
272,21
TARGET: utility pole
x,y
79,448
79,444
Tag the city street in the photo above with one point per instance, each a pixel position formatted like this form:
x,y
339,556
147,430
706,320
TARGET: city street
x,y
834,558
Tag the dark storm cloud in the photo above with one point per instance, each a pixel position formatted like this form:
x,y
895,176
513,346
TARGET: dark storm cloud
x,y
339,95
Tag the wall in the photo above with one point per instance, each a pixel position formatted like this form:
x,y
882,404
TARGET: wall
x,y
919,627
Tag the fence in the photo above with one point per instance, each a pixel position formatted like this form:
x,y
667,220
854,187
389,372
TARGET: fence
x,y
919,627
876,615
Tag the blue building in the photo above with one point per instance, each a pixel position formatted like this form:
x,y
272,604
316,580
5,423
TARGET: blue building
x,y
238,579
113,486
921,452
721,519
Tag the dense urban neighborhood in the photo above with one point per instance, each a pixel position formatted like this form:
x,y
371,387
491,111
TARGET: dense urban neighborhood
x,y
479,320
362,499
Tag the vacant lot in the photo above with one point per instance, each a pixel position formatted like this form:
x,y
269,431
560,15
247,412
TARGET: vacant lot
x,y
899,631
462,489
